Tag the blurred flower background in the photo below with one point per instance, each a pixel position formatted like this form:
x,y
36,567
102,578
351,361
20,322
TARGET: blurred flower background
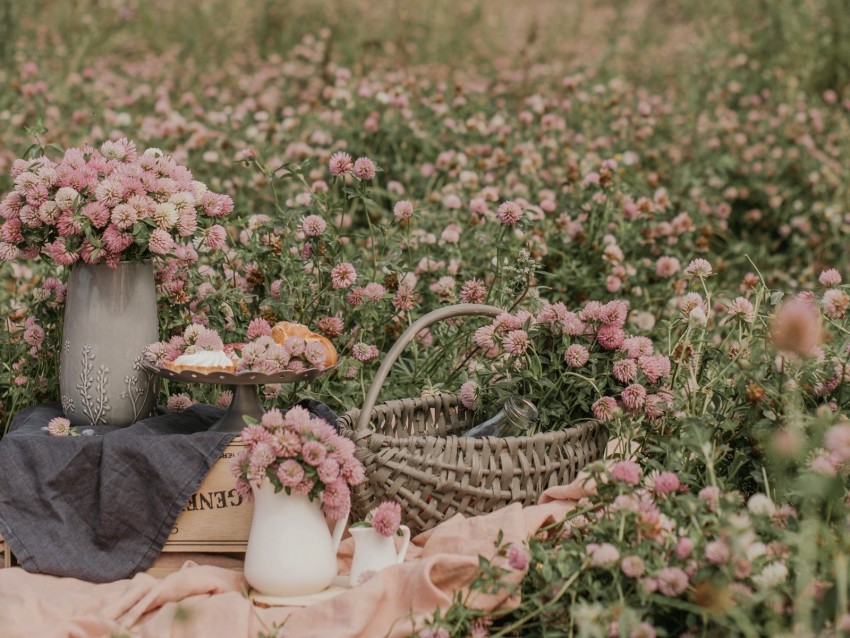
x,y
657,193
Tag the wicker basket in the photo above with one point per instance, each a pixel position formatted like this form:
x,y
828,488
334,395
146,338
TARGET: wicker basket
x,y
412,453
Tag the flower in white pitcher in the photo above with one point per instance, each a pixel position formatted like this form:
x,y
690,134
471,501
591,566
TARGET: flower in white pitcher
x,y
386,518
299,454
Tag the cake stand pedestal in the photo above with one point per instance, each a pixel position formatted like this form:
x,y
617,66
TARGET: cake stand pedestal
x,y
246,399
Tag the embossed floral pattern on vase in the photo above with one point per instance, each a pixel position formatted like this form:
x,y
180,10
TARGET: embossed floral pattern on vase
x,y
109,318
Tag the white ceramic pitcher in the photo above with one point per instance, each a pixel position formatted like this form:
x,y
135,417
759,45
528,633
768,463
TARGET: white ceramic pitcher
x,y
373,552
290,550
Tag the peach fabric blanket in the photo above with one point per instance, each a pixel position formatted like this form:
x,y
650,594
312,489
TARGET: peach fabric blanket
x,y
211,601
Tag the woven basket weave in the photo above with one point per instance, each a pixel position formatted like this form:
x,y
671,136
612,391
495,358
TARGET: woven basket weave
x,y
412,453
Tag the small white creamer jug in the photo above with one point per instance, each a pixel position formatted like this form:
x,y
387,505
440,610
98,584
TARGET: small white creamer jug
x,y
373,552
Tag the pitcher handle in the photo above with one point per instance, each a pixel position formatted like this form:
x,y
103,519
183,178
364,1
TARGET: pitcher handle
x,y
339,528
402,552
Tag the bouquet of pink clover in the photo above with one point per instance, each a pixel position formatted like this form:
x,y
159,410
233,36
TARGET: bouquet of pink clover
x,y
575,365
107,205
301,454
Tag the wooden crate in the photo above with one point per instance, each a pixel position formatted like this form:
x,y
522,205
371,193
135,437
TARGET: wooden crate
x,y
216,519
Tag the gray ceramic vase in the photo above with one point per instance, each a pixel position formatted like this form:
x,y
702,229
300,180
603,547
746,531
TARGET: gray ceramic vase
x,y
110,316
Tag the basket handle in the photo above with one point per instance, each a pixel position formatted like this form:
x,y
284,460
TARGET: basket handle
x,y
446,312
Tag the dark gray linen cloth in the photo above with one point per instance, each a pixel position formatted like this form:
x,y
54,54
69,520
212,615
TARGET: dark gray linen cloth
x,y
100,507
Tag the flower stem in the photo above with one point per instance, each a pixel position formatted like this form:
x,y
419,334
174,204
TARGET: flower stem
x,y
538,611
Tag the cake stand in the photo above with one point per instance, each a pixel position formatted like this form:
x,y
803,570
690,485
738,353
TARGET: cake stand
x,y
246,400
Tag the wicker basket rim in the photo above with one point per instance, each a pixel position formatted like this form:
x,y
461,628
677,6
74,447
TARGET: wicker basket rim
x,y
553,436
449,399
